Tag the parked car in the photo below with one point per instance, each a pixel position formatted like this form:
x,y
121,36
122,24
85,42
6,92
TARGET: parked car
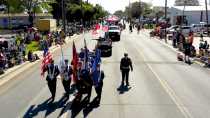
x,y
114,33
105,45
197,28
172,29
186,30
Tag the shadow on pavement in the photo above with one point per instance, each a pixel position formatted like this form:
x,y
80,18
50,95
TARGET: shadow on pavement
x,y
47,106
122,89
79,104
94,104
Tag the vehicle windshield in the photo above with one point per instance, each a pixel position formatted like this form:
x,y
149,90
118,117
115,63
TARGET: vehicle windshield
x,y
113,28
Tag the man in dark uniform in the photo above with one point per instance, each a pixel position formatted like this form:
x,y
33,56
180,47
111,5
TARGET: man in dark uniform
x,y
51,78
99,85
86,83
131,28
125,66
66,77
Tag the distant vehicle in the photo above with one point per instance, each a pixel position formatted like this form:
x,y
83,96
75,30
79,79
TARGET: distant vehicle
x,y
3,7
46,25
206,28
172,29
9,40
198,28
105,45
114,33
186,30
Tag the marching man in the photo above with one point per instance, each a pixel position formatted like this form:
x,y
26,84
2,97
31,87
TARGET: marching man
x,y
66,72
98,84
52,74
125,66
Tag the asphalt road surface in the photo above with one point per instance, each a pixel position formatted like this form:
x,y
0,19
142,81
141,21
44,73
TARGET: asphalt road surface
x,y
160,86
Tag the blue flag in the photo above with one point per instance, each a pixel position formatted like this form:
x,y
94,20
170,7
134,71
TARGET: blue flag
x,y
97,61
45,51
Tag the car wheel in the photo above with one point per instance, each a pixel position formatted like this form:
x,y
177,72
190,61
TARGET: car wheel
x,y
110,53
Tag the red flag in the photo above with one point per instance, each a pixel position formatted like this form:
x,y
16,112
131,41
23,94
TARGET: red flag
x,y
96,29
74,62
105,28
97,26
46,60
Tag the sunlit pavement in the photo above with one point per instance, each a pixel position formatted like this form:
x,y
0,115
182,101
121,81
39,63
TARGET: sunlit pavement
x,y
161,87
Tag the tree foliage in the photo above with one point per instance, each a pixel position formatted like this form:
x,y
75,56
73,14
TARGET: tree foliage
x,y
20,6
137,9
77,10
119,13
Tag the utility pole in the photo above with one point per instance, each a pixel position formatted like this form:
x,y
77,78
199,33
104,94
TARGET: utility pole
x,y
140,11
207,17
166,21
183,13
183,18
82,22
64,15
129,14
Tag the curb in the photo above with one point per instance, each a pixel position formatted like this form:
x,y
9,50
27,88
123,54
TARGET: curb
x,y
169,46
12,72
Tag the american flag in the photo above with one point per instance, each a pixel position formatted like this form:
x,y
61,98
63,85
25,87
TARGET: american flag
x,y
47,58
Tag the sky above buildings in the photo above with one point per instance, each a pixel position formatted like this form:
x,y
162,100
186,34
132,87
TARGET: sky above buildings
x,y
114,5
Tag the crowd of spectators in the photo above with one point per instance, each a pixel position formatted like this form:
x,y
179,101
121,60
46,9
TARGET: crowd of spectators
x,y
14,51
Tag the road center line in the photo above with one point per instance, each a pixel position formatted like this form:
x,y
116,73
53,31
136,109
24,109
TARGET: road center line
x,y
167,88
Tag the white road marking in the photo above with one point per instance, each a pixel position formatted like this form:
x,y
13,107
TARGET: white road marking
x,y
168,89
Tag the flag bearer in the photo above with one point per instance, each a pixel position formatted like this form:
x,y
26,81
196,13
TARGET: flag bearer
x,y
99,74
51,78
66,77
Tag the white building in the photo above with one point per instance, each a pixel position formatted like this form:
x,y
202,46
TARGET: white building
x,y
192,14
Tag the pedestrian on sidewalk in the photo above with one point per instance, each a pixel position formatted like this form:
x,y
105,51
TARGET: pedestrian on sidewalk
x,y
125,67
187,51
191,38
66,73
51,78
181,42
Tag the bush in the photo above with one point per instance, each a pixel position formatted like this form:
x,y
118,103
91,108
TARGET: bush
x,y
33,46
149,26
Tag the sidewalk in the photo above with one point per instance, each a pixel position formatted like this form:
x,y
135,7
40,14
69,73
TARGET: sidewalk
x,y
169,44
20,68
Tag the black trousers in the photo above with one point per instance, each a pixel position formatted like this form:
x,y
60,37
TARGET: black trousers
x,y
66,85
125,76
52,87
98,90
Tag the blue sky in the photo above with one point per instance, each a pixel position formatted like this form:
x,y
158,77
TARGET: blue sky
x,y
113,5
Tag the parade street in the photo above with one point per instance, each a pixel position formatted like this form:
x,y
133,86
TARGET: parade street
x,y
160,86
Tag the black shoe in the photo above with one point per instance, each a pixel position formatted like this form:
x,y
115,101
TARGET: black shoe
x,y
52,99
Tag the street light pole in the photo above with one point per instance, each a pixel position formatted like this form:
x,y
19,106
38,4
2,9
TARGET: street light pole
x,y
82,13
183,12
129,14
207,17
166,20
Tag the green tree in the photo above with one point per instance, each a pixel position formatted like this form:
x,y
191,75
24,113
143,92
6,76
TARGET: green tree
x,y
119,13
137,9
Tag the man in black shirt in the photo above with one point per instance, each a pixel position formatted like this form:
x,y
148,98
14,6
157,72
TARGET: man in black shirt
x,y
125,66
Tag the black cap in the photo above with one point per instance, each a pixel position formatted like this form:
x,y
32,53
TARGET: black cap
x,y
125,54
66,60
